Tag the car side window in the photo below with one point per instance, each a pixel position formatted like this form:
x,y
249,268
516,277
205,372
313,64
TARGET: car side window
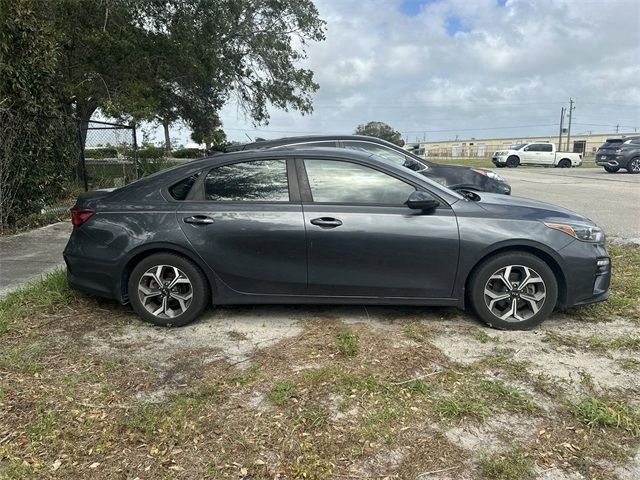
x,y
180,190
336,181
546,147
255,181
388,154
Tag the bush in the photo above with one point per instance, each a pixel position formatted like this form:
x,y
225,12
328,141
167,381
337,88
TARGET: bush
x,y
188,153
102,152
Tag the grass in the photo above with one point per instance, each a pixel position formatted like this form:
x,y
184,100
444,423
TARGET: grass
x,y
625,288
629,364
596,343
595,412
41,296
281,392
331,402
347,342
512,465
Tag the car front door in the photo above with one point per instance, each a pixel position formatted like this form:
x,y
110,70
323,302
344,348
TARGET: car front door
x,y
528,154
245,220
363,241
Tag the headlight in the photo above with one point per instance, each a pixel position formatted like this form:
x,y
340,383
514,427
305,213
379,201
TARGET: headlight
x,y
586,233
488,173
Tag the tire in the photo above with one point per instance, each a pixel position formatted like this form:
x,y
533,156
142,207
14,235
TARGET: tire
x,y
564,163
165,305
541,291
612,169
500,165
513,161
634,165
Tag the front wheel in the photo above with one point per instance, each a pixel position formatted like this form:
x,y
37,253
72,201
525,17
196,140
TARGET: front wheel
x,y
612,169
634,165
513,161
513,291
168,290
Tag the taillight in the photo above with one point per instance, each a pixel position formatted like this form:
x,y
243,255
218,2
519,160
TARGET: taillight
x,y
617,149
80,215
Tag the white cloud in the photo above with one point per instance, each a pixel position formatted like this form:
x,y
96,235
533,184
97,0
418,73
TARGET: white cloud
x,y
460,65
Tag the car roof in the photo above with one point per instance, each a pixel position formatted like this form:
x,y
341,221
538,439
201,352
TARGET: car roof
x,y
262,144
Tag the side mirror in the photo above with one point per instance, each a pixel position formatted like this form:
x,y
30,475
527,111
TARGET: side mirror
x,y
422,201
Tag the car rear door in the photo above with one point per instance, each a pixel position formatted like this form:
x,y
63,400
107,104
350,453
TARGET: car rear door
x,y
245,220
363,241
546,156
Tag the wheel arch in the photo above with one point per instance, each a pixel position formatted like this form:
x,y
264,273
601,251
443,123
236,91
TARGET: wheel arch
x,y
138,254
539,251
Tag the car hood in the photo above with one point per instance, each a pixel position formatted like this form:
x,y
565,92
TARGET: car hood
x,y
527,208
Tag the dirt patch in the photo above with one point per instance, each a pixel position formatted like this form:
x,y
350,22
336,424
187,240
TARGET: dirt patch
x,y
497,434
566,363
253,329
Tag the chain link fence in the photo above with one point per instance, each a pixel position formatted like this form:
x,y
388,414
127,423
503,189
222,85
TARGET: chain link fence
x,y
108,155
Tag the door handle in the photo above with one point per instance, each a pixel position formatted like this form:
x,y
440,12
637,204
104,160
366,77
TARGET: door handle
x,y
326,222
198,220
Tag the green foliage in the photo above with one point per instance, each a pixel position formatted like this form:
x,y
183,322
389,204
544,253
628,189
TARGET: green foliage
x,y
380,130
512,465
281,392
187,153
101,152
596,412
347,343
44,295
39,142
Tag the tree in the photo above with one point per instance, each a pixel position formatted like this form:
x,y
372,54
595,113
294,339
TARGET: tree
x,y
38,136
159,59
208,130
380,130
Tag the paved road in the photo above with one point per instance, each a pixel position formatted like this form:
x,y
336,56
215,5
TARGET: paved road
x,y
26,256
610,200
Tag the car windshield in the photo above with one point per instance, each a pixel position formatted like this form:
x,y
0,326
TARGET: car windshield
x,y
519,146
420,176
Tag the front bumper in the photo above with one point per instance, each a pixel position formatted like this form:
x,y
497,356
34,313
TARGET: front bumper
x,y
586,280
499,160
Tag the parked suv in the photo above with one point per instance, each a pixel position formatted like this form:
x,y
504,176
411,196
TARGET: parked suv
x,y
617,153
455,177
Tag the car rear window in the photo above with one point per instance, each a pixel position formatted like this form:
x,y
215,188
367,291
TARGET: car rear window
x,y
180,190
611,142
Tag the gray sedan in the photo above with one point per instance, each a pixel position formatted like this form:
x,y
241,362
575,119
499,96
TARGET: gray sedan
x,y
328,225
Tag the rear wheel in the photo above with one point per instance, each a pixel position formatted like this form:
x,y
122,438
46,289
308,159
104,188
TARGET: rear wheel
x,y
612,169
634,165
168,290
513,291
513,161
564,163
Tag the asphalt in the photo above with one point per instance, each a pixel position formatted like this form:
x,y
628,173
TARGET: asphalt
x,y
610,200
27,256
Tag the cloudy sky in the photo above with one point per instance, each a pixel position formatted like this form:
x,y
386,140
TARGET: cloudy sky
x,y
438,69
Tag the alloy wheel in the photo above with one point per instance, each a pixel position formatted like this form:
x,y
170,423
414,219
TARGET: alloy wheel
x,y
515,293
165,291
635,164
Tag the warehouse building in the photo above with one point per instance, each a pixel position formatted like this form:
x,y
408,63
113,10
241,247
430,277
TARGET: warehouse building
x,y
584,144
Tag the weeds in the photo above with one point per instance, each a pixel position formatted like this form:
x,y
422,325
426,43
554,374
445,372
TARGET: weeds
x,y
513,465
347,343
595,412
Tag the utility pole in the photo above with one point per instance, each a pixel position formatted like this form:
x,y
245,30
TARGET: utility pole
x,y
561,124
571,108
617,128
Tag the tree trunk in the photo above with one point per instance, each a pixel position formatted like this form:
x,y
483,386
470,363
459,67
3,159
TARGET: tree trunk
x,y
167,138
84,111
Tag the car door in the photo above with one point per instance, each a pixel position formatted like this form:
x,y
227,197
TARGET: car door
x,y
245,220
362,240
546,154
529,154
